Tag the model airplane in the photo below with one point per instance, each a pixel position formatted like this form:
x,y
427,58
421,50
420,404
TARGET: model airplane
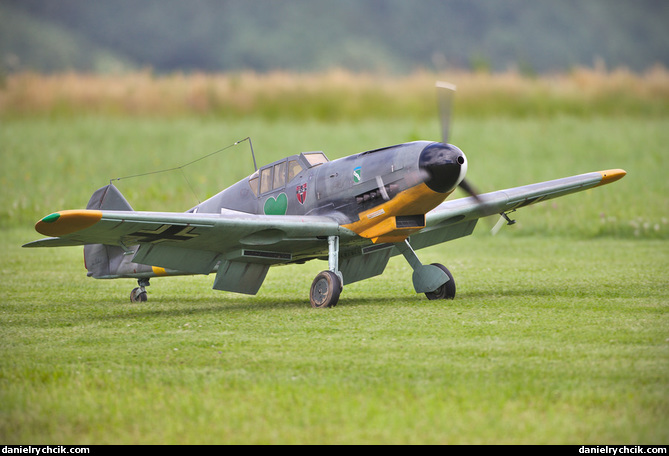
x,y
355,212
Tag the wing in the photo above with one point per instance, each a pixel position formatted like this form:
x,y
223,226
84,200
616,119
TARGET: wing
x,y
458,218
206,232
242,245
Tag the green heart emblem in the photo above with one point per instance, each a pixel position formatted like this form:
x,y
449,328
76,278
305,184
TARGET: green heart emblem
x,y
276,206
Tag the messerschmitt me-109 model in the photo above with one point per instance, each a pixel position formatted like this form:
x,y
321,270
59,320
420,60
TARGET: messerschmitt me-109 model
x,y
355,212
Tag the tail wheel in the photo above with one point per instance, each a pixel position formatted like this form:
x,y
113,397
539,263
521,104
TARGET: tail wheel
x,y
138,295
447,290
325,290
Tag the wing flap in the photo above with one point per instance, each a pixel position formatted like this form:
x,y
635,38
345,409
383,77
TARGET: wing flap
x,y
440,234
177,258
365,265
239,277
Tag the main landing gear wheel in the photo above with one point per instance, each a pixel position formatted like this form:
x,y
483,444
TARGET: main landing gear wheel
x,y
325,290
447,290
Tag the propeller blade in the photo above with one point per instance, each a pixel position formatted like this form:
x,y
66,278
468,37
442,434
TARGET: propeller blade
x,y
382,188
471,191
467,187
445,96
495,229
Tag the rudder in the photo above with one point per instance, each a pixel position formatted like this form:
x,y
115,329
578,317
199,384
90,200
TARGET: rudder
x,y
103,260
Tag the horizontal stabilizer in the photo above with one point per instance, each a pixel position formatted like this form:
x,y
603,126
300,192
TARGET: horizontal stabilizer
x,y
53,242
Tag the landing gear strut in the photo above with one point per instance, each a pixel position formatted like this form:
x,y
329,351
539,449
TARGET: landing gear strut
x,y
327,286
138,294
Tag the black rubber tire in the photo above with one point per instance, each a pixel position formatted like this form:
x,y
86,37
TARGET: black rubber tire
x,y
447,290
325,290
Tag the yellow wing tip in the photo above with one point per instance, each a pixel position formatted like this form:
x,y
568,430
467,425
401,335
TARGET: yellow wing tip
x,y
611,175
66,222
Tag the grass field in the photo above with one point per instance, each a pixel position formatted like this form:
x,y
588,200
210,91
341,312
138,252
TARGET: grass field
x,y
559,333
550,340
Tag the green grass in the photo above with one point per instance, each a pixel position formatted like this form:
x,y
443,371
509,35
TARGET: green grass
x,y
53,164
559,333
550,340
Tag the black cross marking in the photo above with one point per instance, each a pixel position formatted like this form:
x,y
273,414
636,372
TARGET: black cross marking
x,y
165,233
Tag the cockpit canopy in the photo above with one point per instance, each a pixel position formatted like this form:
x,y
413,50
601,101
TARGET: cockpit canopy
x,y
277,174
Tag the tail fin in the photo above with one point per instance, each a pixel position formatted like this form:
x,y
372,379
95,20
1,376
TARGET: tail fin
x,y
108,198
104,260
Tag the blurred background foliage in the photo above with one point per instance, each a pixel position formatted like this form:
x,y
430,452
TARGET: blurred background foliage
x,y
390,36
